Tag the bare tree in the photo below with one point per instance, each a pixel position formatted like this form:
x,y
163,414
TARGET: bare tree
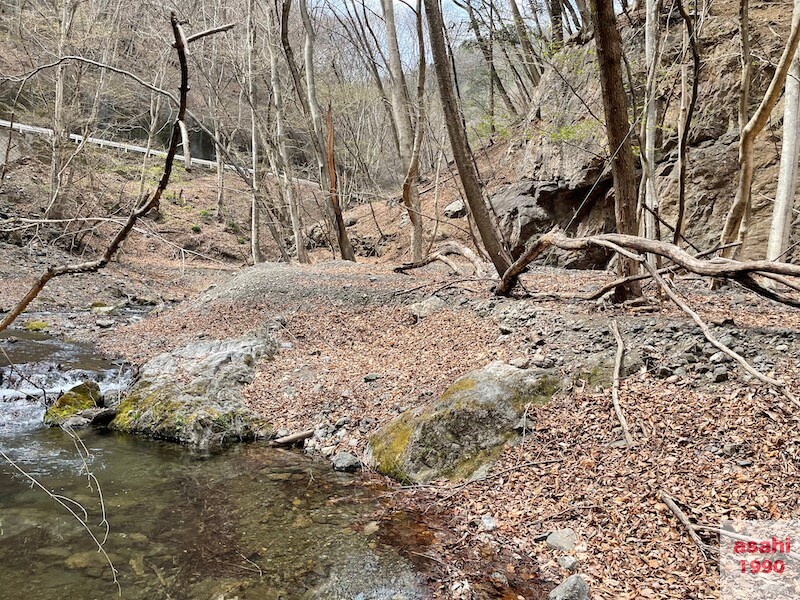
x,y
618,129
652,43
280,141
790,149
735,228
462,154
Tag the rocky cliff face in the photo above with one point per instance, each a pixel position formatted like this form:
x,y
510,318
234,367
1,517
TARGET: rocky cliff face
x,y
562,164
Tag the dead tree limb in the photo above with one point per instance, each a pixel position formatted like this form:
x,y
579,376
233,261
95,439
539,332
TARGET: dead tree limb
x,y
144,207
442,253
295,438
721,268
690,527
626,432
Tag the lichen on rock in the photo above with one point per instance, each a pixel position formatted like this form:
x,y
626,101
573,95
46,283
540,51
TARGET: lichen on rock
x,y
193,394
465,430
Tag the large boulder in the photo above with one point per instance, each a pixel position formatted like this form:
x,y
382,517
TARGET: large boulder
x,y
193,395
528,208
465,430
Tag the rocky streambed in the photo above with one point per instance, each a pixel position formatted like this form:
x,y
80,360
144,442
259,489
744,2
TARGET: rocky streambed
x,y
250,522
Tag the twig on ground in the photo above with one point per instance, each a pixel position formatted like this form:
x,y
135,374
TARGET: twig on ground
x,y
615,386
775,383
705,549
289,440
442,253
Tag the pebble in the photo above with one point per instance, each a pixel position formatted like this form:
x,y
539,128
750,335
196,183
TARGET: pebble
x,y
572,588
718,357
570,563
720,374
521,362
104,323
372,377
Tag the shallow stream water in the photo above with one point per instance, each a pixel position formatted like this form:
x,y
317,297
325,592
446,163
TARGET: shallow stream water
x,y
251,522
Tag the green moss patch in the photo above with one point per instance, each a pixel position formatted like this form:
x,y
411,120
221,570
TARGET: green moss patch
x,y
79,398
36,326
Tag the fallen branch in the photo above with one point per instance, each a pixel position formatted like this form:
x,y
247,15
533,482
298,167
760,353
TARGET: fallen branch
x,y
615,386
690,527
441,254
294,438
720,268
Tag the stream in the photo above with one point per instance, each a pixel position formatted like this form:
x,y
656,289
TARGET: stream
x,y
250,522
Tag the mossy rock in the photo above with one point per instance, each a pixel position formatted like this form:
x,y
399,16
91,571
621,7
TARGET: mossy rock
x,y
80,398
193,394
466,429
36,326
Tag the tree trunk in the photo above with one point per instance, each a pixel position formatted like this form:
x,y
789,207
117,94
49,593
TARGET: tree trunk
x,y
316,113
686,114
556,22
787,177
652,43
615,106
341,231
458,141
531,66
280,137
59,139
733,230
255,211
401,109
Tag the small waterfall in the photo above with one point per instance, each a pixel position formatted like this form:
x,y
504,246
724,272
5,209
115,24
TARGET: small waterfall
x,y
44,368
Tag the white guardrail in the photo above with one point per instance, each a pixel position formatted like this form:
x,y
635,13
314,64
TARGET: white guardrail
x,y
209,164
44,131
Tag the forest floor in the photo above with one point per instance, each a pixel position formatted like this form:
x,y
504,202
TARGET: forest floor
x,y
721,444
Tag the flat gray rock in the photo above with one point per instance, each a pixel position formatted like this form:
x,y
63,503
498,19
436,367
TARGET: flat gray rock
x,y
562,539
572,588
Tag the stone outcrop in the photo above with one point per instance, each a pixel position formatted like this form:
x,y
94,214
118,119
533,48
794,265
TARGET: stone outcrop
x,y
193,395
561,168
464,430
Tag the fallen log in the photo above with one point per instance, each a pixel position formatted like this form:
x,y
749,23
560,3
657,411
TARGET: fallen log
x,y
291,439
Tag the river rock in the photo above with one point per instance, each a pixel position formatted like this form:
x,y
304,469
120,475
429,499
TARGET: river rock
x,y
562,539
193,394
81,397
570,563
455,210
572,588
344,461
465,429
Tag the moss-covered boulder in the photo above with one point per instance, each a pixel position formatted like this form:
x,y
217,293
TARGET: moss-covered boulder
x,y
465,429
82,397
193,395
